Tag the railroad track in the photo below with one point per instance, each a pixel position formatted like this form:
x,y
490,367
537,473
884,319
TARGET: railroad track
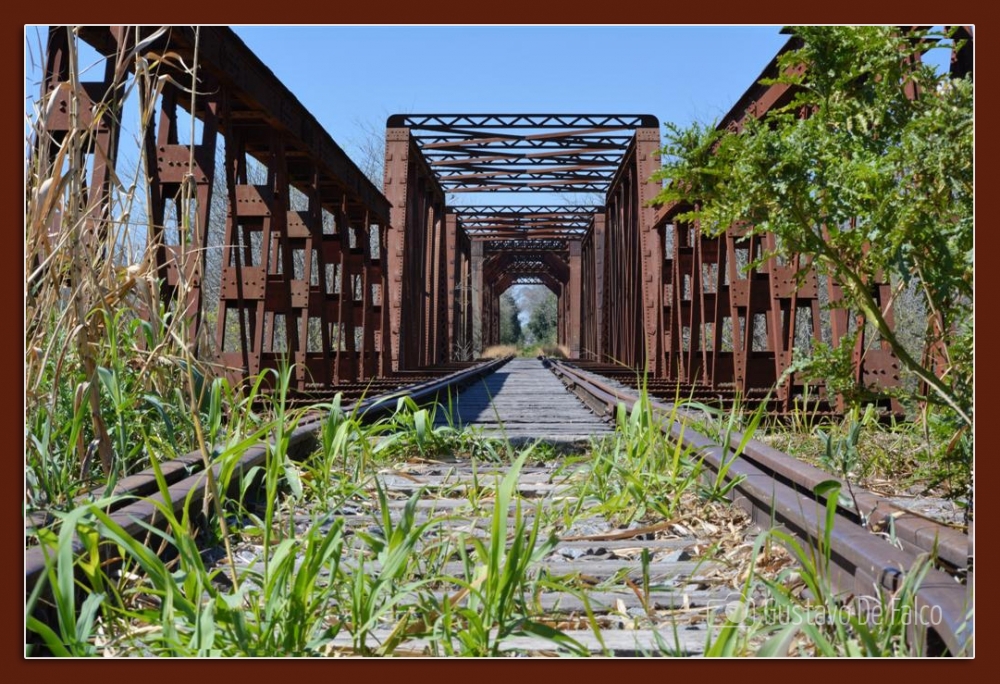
x,y
776,489
186,479
657,588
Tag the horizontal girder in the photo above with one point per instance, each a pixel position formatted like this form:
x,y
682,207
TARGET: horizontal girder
x,y
526,222
523,152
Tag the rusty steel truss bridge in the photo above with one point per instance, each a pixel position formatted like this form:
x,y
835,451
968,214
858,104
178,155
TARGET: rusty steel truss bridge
x,y
353,283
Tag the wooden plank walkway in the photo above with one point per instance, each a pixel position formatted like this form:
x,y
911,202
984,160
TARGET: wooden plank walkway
x,y
591,585
653,587
523,401
670,607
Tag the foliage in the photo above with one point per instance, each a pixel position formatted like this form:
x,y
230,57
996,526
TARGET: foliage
x,y
510,323
840,454
872,184
497,577
647,470
544,321
110,375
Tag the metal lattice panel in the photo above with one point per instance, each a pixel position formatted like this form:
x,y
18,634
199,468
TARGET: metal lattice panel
x,y
526,246
523,152
526,222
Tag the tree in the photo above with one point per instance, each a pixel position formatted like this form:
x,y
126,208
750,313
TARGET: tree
x,y
510,323
874,183
544,319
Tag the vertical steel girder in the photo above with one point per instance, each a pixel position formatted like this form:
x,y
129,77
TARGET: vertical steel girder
x,y
592,323
452,278
462,348
632,252
301,278
90,111
574,300
490,313
647,141
419,262
478,297
180,263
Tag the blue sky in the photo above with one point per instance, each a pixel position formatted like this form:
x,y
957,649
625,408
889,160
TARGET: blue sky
x,y
351,78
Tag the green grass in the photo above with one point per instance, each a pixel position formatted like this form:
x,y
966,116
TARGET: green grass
x,y
320,591
110,392
799,612
888,459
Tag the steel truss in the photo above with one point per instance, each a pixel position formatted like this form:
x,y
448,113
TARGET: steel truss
x,y
322,269
303,282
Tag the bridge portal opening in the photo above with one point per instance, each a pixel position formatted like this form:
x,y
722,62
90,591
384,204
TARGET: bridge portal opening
x,y
454,230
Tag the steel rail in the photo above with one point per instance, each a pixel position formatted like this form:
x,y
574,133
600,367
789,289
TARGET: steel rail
x,y
139,497
777,489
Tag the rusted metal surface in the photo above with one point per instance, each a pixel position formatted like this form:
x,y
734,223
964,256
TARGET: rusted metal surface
x,y
592,323
349,284
630,329
417,259
775,489
476,296
180,259
573,300
305,284
90,111
303,229
610,155
520,223
523,152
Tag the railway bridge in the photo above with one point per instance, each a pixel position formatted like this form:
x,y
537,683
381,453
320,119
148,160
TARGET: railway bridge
x,y
352,282
269,247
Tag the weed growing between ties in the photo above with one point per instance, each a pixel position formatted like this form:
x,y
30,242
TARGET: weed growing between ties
x,y
791,607
329,562
282,587
352,566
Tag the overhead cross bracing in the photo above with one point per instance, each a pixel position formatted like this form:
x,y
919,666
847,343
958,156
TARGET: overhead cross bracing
x,y
527,222
462,258
526,262
350,283
523,152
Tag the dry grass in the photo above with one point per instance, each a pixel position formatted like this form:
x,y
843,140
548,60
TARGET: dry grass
x,y
499,351
556,351
101,354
